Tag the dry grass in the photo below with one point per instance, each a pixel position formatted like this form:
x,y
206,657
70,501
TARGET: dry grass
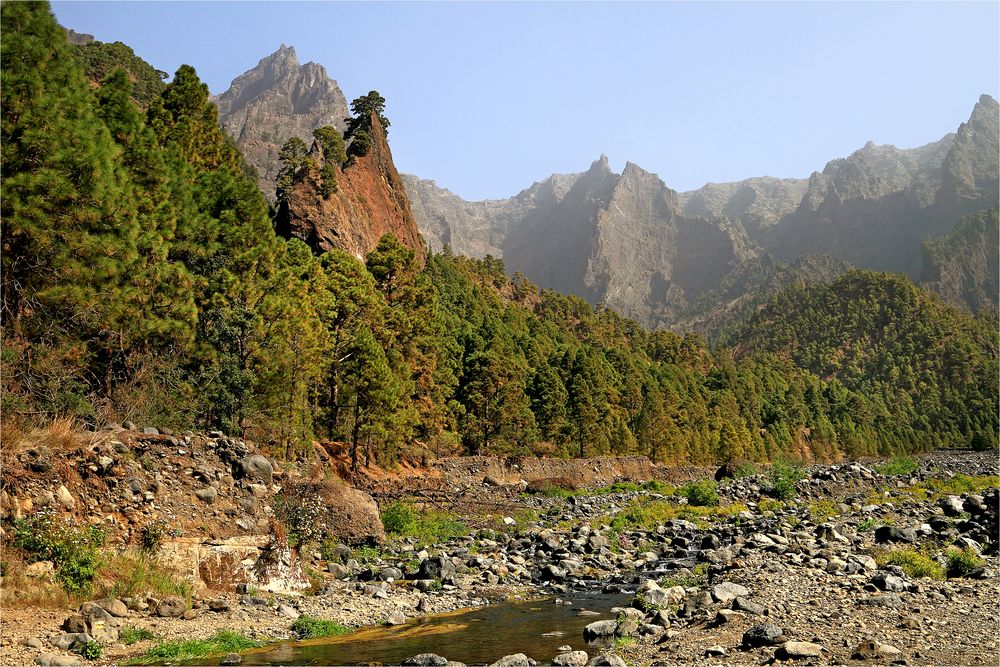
x,y
62,434
20,590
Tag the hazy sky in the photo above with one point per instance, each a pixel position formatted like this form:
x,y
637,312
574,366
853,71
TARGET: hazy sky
x,y
486,98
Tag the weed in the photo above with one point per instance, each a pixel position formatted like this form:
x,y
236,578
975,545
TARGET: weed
x,y
135,574
619,643
745,470
399,518
869,524
151,537
700,494
914,563
782,478
309,627
223,641
770,505
91,650
428,526
130,634
367,555
74,550
821,510
898,465
961,562
645,513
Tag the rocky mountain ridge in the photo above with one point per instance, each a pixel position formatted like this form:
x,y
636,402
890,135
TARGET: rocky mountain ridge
x,y
276,100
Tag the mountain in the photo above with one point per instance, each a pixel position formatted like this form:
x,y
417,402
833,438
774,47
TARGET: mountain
x,y
278,99
929,371
99,59
963,266
367,202
633,244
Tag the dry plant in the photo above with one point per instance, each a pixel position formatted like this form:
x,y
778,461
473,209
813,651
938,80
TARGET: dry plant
x,y
60,434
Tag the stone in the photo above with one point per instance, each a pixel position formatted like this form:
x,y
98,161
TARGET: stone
x,y
514,660
424,659
796,650
889,582
75,624
57,660
288,612
597,629
606,660
254,467
207,495
395,618
113,607
727,592
715,651
871,649
171,606
952,505
338,571
390,574
231,659
218,606
437,567
128,425
742,604
763,634
571,659
191,614
65,498
67,640
33,642
150,430
893,534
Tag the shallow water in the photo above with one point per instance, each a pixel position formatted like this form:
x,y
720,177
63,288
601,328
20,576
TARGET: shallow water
x,y
478,636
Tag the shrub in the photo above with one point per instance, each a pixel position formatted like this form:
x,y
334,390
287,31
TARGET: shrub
x,y
745,470
961,562
782,478
399,518
656,486
151,537
426,526
770,505
138,573
73,550
914,563
868,524
898,465
91,650
700,494
309,627
821,510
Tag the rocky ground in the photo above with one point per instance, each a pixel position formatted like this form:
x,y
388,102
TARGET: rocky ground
x,y
808,580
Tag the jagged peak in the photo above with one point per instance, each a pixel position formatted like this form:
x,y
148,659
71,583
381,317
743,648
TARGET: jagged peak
x,y
600,164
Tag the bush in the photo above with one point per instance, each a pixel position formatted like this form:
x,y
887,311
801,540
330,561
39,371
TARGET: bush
x,y
130,634
399,519
73,550
700,494
309,627
745,470
898,465
962,562
913,562
151,537
91,650
782,478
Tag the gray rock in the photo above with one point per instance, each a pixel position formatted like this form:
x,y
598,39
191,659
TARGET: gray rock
x,y
254,467
424,659
75,624
728,591
65,498
893,534
515,660
393,573
715,651
571,659
33,642
597,629
113,607
338,571
889,582
57,660
150,430
796,650
437,567
288,612
219,606
871,649
231,659
742,604
952,505
171,606
68,640
207,495
395,618
606,660
763,634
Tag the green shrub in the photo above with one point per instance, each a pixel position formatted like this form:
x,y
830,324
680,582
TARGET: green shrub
x,y
869,524
961,562
151,537
898,465
223,641
914,563
656,486
399,519
745,470
91,650
700,494
73,549
130,634
821,510
309,627
782,478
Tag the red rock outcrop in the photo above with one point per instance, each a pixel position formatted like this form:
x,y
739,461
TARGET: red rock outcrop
x,y
370,202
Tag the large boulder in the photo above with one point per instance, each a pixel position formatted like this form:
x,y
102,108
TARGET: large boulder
x,y
171,606
255,467
345,514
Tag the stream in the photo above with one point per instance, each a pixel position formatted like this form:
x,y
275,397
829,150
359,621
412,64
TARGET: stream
x,y
478,636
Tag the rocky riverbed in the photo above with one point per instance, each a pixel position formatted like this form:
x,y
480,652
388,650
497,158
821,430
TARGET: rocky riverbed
x,y
854,566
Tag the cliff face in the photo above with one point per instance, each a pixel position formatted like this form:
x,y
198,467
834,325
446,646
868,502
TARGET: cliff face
x,y
370,202
632,243
963,266
274,101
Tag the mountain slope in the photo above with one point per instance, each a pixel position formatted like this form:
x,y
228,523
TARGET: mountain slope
x,y
276,100
922,362
963,266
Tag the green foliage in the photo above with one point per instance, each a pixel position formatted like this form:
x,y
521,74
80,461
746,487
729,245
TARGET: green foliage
x,y
130,634
151,537
700,494
781,480
363,108
745,470
898,465
91,650
222,642
646,514
331,142
821,510
99,59
914,563
427,526
361,144
399,518
869,525
962,562
309,627
73,549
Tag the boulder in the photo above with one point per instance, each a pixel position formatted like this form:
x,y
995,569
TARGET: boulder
x,y
171,606
515,660
436,567
798,650
395,618
426,659
727,592
207,495
597,629
345,514
870,649
65,498
113,607
75,624
606,660
43,569
763,634
571,659
68,640
254,467
58,660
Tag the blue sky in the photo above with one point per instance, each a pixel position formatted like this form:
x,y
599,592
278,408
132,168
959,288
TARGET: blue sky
x,y
486,98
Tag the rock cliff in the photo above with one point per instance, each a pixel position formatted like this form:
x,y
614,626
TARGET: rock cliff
x,y
369,202
276,100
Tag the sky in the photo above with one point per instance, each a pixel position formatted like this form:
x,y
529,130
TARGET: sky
x,y
487,97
